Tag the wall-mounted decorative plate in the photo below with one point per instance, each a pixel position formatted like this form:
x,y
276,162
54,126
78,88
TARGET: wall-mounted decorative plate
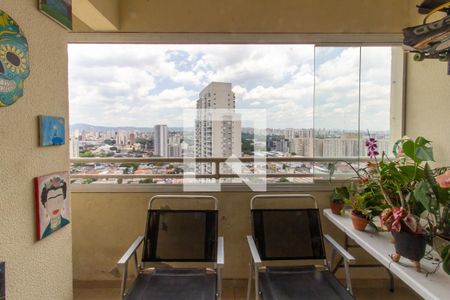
x,y
14,63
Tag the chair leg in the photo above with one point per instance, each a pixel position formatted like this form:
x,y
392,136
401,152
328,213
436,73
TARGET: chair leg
x,y
219,283
249,283
250,278
136,264
124,282
331,262
256,282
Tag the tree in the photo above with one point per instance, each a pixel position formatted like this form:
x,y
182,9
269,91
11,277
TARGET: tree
x,y
132,166
87,154
283,180
247,147
147,180
109,142
178,170
89,181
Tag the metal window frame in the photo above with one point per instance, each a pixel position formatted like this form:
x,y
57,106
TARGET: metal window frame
x,y
318,39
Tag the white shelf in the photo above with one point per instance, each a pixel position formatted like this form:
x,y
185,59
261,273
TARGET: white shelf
x,y
379,245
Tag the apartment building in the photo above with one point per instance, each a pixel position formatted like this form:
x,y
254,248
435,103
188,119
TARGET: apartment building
x,y
160,140
218,127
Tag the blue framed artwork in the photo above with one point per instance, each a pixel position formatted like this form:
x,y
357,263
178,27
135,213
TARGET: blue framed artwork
x,y
52,131
58,10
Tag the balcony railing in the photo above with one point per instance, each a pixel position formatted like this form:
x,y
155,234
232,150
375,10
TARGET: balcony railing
x,y
313,163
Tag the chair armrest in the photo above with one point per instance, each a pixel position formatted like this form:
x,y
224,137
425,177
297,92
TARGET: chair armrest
x,y
344,253
126,257
220,252
253,249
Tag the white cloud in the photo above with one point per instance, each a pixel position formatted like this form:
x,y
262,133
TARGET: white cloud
x,y
140,85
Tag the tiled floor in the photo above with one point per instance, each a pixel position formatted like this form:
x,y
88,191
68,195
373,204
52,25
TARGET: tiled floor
x,y
239,293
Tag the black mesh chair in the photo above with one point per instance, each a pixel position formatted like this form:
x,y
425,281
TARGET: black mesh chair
x,y
182,236
287,235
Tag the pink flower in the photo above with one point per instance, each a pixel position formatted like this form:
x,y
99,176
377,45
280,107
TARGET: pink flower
x,y
444,180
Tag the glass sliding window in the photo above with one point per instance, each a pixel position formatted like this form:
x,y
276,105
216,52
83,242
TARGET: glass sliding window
x,y
336,107
138,111
375,97
128,102
353,101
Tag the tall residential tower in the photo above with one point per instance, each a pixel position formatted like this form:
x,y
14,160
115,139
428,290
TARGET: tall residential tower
x,y
160,138
218,127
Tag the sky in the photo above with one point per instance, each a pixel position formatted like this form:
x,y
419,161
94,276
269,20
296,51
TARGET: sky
x,y
145,85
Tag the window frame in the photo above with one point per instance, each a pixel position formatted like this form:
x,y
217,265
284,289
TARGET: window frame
x,y
398,89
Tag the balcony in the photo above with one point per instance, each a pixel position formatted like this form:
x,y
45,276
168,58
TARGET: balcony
x,y
123,208
79,260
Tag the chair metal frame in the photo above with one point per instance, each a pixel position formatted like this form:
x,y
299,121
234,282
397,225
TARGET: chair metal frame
x,y
141,267
256,264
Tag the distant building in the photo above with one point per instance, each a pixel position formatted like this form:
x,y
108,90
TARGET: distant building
x,y
121,138
174,150
132,138
74,147
175,138
296,146
160,138
282,145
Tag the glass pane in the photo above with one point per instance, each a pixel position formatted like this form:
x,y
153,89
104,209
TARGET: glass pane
x,y
336,105
375,97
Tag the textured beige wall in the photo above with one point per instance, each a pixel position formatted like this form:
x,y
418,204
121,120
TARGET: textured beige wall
x,y
108,8
428,105
35,270
303,16
105,224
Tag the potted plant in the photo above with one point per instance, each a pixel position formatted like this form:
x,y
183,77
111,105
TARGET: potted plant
x,y
360,215
408,185
412,190
337,199
365,204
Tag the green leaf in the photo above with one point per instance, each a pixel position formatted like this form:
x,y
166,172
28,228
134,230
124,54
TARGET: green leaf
x,y
423,149
443,195
409,198
412,172
409,149
445,254
424,153
429,176
421,141
422,193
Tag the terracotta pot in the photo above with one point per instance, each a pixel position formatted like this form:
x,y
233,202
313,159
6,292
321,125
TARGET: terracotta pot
x,y
336,207
359,223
